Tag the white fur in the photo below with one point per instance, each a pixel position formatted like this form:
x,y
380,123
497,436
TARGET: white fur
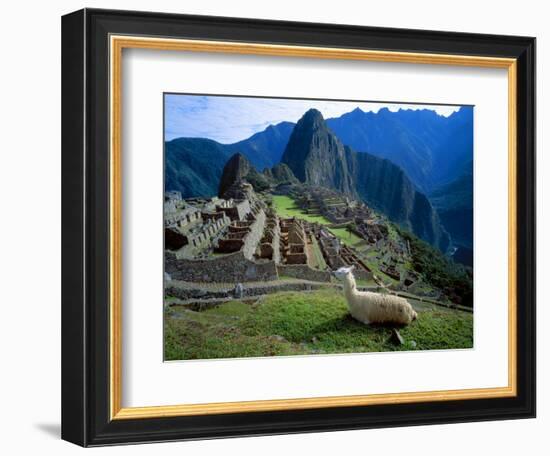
x,y
368,307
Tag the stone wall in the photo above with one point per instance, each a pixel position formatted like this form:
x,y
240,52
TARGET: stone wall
x,y
181,218
272,239
296,258
229,245
276,246
232,268
201,296
256,232
237,211
172,195
362,274
202,236
303,271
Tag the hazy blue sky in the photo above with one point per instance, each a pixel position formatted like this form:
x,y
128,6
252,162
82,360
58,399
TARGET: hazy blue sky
x,y
230,119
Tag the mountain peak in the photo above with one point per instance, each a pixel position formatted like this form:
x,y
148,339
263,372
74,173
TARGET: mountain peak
x,y
238,160
313,112
315,155
312,116
236,168
356,115
463,113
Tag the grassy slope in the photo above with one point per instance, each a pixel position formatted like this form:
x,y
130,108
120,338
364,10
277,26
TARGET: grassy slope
x,y
285,207
302,323
453,278
316,259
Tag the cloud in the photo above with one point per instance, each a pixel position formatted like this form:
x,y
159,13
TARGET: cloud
x,y
231,119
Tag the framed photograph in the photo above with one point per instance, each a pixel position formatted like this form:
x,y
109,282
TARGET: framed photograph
x,y
279,227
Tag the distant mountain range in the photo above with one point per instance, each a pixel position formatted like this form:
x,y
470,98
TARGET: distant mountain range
x,y
264,149
433,155
194,166
431,149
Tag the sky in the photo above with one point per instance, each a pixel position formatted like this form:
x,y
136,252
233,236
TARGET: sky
x,y
231,119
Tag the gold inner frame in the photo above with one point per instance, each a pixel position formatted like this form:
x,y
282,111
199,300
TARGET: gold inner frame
x,y
117,44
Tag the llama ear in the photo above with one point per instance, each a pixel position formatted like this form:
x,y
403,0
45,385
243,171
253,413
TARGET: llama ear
x,y
352,267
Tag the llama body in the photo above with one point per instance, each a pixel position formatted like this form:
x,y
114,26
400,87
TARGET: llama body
x,y
368,307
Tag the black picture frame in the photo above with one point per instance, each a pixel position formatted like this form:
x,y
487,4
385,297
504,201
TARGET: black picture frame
x,y
85,228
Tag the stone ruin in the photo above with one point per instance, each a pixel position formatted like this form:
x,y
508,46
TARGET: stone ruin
x,y
269,247
217,239
189,230
293,242
241,239
371,230
236,211
342,211
337,208
244,231
192,226
172,201
337,254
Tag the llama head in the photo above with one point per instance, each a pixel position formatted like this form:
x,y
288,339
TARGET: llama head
x,y
410,312
343,272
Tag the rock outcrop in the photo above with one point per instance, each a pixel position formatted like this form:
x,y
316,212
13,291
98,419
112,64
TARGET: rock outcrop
x,y
238,170
316,156
282,174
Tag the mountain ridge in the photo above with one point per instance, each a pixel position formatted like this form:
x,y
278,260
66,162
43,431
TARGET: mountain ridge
x,y
264,149
428,146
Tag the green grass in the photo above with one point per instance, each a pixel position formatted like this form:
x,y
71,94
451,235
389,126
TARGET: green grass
x,y
318,260
454,279
392,233
371,253
346,236
365,283
302,323
285,207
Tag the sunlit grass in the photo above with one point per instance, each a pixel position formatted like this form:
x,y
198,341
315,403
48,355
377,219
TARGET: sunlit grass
x,y
302,323
346,236
285,207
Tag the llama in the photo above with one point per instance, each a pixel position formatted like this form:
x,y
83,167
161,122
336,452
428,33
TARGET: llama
x,y
368,307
